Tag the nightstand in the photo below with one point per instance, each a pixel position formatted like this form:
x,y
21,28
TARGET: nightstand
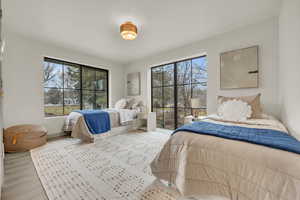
x,y
147,121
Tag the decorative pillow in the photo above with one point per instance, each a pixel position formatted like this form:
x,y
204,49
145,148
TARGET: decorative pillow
x,y
253,101
137,104
130,102
234,110
121,104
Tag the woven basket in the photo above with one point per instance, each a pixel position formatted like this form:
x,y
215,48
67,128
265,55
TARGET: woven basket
x,y
24,137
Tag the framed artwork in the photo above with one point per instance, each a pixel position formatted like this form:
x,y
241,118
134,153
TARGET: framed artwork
x,y
239,68
133,84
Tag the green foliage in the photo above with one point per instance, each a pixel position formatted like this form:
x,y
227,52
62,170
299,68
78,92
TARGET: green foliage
x,y
62,86
191,82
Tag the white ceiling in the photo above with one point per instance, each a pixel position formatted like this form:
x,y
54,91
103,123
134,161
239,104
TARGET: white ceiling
x,y
92,26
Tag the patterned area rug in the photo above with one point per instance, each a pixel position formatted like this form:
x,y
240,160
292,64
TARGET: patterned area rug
x,y
112,168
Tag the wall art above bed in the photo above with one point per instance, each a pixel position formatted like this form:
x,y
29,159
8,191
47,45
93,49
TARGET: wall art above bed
x,y
239,68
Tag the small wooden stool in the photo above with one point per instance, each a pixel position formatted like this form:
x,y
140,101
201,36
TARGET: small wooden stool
x,y
24,137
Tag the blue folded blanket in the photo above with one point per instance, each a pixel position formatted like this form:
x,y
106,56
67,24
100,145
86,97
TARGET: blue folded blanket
x,y
98,121
266,137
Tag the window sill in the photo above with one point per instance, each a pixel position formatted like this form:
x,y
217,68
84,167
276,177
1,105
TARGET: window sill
x,y
56,117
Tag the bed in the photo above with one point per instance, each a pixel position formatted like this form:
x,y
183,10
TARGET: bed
x,y
204,164
120,120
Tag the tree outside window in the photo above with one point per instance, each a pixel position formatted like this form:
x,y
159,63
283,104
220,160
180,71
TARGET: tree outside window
x,y
173,86
70,86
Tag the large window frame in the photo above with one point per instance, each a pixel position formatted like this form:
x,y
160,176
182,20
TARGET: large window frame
x,y
179,110
79,88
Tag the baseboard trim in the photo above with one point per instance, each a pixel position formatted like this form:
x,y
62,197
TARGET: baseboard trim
x,y
55,135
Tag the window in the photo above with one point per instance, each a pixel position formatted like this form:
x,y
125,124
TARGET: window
x,y
69,86
173,86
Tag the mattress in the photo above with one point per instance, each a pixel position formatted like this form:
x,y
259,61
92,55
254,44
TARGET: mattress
x,y
199,164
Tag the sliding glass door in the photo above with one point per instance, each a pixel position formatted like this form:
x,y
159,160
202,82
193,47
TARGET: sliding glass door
x,y
163,87
173,85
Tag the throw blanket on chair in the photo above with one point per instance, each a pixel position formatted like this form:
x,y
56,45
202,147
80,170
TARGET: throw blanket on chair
x,y
98,121
267,137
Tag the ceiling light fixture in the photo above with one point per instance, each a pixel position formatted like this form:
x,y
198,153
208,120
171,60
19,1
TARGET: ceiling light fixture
x,y
128,31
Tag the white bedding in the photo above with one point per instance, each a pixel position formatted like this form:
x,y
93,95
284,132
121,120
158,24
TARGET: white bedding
x,y
126,115
266,122
76,124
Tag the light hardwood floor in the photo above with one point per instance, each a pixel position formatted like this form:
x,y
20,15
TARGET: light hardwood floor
x,y
21,181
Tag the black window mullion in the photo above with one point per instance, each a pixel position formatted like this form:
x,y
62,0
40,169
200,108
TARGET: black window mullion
x,y
94,106
63,77
165,86
191,77
107,91
163,96
187,110
175,96
53,87
151,90
80,87
64,88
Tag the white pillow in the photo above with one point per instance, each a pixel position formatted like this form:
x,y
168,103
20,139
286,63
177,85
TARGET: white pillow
x,y
235,110
138,106
130,103
121,104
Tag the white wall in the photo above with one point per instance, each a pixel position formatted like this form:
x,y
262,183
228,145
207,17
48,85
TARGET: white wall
x,y
289,66
264,34
1,124
1,147
23,80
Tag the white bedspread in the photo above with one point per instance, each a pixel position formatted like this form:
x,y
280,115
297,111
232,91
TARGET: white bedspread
x,y
76,124
127,115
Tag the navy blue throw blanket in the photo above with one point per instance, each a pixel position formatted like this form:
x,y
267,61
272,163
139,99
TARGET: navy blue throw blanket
x,y
266,137
98,121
